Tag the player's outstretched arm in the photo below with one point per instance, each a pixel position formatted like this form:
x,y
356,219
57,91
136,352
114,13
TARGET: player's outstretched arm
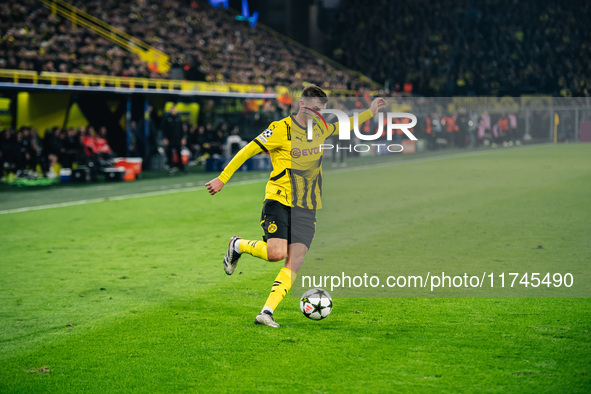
x,y
214,186
377,105
251,149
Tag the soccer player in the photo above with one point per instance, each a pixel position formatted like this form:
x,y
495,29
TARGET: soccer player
x,y
292,194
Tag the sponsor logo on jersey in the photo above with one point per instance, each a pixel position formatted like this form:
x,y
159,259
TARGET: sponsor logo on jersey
x,y
296,153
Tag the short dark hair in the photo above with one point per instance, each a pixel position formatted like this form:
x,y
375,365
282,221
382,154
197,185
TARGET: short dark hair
x,y
311,91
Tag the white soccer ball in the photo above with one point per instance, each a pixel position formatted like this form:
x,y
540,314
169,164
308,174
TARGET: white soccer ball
x,y
316,304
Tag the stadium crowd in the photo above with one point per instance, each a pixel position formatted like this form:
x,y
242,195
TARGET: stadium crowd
x,y
488,48
25,153
494,47
29,154
203,44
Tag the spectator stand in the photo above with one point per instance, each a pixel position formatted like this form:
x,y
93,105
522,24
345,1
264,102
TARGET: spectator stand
x,y
201,43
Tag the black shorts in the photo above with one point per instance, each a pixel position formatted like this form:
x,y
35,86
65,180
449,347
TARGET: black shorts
x,y
296,225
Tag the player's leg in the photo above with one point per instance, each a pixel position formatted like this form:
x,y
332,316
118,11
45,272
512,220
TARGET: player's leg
x,y
287,275
275,249
275,219
282,283
302,230
275,222
295,258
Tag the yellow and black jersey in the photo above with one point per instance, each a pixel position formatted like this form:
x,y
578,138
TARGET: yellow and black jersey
x,y
296,179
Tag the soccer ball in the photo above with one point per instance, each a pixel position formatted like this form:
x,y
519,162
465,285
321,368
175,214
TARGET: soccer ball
x,y
316,304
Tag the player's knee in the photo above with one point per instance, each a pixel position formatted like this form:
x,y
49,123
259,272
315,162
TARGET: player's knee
x,y
276,254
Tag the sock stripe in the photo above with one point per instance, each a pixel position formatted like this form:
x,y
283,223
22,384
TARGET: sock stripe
x,y
254,248
280,288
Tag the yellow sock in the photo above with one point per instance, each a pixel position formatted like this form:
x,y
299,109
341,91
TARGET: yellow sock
x,y
280,288
254,248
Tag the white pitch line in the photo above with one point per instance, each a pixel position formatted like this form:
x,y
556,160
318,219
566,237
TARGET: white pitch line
x,y
191,189
122,197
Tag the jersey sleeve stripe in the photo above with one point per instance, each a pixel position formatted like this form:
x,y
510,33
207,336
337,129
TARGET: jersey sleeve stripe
x,y
278,176
261,145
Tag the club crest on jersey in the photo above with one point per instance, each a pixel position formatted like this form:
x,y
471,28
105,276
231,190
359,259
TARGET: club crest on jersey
x,y
272,228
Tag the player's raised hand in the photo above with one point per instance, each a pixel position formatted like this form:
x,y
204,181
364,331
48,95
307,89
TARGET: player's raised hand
x,y
214,186
377,104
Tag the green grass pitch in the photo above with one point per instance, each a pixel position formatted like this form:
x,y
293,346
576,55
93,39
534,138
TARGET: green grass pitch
x,y
130,295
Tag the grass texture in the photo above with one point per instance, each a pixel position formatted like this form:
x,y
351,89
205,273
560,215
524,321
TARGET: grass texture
x,y
130,296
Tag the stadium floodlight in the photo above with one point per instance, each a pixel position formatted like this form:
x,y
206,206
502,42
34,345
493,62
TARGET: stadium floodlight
x,y
216,3
252,19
